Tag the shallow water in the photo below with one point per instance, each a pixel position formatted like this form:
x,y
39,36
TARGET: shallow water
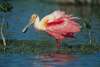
x,y
17,60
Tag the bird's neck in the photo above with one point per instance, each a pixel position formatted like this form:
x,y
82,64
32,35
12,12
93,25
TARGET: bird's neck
x,y
39,25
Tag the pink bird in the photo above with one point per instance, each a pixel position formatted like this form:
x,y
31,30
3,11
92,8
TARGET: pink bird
x,y
57,24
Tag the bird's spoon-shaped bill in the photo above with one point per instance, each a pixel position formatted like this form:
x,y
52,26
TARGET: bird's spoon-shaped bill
x,y
26,27
31,21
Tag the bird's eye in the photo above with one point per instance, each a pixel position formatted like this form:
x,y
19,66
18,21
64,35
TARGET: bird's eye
x,y
36,16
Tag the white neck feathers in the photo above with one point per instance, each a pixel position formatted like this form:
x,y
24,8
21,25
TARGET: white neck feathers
x,y
39,24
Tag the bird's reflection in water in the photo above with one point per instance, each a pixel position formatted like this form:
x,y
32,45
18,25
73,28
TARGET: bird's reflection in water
x,y
52,59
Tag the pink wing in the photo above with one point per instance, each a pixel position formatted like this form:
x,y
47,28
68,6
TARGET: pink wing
x,y
62,27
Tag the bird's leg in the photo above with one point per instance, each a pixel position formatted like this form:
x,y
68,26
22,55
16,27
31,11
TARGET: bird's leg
x,y
58,43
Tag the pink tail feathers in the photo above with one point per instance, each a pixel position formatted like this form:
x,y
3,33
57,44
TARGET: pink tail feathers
x,y
58,43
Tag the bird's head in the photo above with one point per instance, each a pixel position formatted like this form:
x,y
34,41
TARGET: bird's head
x,y
33,18
31,21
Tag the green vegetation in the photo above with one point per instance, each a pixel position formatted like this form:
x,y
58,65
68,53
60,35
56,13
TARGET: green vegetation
x,y
5,7
34,47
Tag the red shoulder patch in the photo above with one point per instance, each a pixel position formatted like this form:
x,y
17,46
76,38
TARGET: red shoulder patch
x,y
57,21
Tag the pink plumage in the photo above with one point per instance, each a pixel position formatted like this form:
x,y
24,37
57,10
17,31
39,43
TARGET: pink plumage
x,y
62,26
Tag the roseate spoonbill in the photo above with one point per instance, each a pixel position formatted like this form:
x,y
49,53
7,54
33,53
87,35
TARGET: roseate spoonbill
x,y
57,24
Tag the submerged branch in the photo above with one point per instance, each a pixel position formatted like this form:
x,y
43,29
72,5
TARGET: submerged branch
x,y
2,34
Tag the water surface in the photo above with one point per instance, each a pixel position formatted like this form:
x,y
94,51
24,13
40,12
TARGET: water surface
x,y
17,60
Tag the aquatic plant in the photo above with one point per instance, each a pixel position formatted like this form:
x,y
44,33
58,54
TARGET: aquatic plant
x,y
31,47
88,28
5,7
